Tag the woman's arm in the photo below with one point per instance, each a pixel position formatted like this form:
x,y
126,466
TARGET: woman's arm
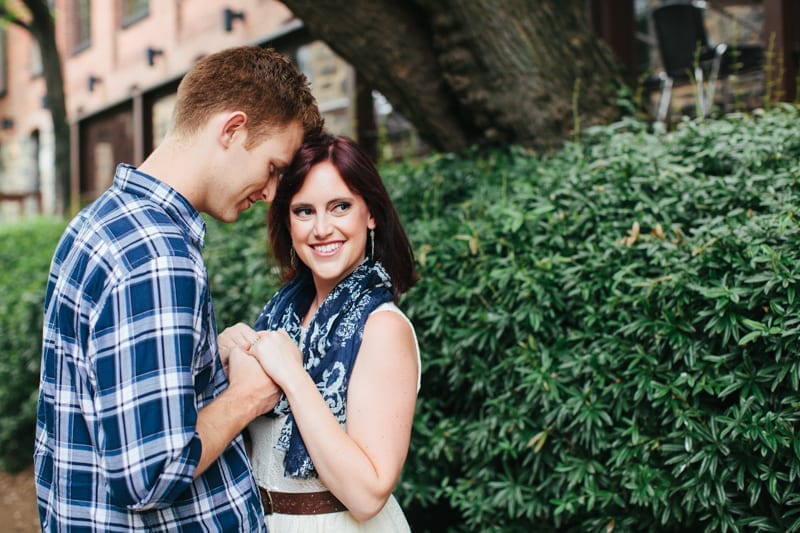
x,y
360,466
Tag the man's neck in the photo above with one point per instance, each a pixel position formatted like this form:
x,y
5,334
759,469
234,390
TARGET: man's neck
x,y
177,165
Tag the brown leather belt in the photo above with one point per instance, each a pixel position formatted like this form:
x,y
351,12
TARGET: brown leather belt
x,y
300,502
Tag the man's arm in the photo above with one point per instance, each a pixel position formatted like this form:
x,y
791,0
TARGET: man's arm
x,y
147,357
250,393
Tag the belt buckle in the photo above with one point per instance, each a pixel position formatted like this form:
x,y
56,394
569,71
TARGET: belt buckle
x,y
267,503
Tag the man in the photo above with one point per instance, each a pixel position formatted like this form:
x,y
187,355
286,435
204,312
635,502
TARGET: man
x,y
138,425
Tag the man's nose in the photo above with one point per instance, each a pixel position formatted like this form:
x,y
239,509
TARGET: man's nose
x,y
268,192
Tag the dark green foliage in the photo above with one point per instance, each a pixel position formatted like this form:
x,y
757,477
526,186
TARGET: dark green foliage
x,y
611,334
241,271
25,252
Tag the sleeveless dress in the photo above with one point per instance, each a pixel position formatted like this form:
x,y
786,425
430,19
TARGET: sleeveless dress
x,y
268,469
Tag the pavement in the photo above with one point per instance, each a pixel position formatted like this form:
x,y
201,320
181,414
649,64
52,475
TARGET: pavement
x,y
18,512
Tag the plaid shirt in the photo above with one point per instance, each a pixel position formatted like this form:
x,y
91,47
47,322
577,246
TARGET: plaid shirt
x,y
129,357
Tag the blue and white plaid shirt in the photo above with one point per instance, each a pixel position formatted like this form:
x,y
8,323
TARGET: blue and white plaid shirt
x,y
129,358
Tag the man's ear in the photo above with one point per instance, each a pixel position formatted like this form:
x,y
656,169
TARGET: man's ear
x,y
235,126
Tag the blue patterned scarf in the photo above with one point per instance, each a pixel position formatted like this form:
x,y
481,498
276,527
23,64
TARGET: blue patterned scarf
x,y
329,344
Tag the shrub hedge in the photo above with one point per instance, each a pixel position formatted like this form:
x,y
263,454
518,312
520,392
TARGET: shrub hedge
x,y
609,332
25,251
241,271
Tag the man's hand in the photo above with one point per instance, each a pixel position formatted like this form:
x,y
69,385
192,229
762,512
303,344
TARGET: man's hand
x,y
249,381
239,335
250,393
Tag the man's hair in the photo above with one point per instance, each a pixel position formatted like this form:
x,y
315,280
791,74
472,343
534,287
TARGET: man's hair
x,y
259,81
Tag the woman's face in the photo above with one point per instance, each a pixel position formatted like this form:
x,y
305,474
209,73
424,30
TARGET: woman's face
x,y
328,224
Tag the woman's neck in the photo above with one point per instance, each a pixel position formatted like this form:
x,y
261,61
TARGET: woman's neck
x,y
316,303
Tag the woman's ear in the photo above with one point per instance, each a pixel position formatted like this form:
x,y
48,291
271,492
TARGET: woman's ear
x,y
371,222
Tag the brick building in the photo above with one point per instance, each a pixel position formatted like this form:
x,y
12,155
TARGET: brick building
x,y
122,61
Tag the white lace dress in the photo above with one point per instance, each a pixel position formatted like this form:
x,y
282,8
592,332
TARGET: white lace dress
x,y
268,469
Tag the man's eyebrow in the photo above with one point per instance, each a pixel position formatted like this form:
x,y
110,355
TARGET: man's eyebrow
x,y
279,164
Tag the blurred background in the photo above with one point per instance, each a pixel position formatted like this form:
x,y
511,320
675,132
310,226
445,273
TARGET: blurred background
x,y
86,84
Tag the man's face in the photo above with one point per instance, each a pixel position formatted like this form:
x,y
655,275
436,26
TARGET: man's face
x,y
252,175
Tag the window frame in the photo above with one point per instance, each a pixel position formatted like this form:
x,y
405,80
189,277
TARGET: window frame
x,y
3,62
132,11
80,25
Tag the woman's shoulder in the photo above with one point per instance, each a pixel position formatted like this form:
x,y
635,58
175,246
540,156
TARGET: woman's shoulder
x,y
388,316
389,306
389,313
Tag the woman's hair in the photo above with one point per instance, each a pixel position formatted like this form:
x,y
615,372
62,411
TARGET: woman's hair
x,y
259,81
358,172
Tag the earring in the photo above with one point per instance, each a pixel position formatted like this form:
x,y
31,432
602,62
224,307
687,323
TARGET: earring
x,y
372,244
293,258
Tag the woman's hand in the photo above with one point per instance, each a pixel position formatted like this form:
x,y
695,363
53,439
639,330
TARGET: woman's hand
x,y
239,335
279,356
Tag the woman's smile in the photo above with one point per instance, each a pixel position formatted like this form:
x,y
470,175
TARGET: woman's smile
x,y
328,248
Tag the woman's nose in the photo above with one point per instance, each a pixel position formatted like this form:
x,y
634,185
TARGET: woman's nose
x,y
322,225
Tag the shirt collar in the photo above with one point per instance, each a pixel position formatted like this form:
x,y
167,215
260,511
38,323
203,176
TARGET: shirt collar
x,y
137,183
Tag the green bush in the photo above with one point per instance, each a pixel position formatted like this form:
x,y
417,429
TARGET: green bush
x,y
610,334
25,251
241,272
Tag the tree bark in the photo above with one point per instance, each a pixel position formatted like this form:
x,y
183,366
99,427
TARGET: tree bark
x,y
42,27
478,71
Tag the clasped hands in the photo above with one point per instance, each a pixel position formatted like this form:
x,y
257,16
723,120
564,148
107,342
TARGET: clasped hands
x,y
275,351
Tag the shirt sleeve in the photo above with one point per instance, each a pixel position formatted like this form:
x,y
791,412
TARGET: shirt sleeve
x,y
146,334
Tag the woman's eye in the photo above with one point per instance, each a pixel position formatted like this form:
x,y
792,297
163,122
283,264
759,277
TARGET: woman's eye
x,y
341,207
302,212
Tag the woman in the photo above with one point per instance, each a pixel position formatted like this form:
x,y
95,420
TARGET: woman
x,y
330,453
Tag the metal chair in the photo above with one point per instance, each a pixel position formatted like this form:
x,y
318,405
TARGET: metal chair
x,y
686,53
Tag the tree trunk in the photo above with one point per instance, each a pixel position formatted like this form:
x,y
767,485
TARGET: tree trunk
x,y
42,28
477,71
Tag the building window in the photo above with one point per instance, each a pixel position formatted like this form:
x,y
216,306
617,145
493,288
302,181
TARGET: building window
x,y
133,11
3,62
36,60
80,25
35,178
